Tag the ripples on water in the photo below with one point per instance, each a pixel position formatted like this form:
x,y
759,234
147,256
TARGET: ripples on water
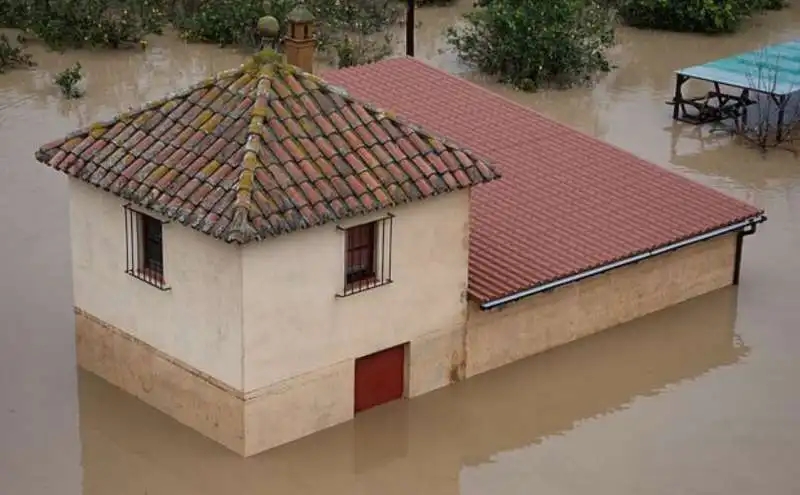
x,y
697,399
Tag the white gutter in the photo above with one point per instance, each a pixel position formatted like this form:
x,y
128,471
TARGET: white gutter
x,y
623,262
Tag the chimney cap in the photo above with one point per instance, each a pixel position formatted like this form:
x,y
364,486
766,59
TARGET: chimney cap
x,y
300,14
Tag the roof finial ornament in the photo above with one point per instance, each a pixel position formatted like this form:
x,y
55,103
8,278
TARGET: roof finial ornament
x,y
270,29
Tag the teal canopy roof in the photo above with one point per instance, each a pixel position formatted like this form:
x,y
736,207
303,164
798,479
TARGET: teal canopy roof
x,y
774,69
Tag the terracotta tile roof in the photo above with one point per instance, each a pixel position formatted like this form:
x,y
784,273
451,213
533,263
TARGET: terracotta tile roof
x,y
567,202
263,150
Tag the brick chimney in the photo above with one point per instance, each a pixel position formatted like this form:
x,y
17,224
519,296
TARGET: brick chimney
x,y
299,43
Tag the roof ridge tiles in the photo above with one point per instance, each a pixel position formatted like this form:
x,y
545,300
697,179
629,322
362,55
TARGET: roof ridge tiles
x,y
241,230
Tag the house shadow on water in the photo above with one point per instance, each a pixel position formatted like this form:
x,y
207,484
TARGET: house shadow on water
x,y
416,446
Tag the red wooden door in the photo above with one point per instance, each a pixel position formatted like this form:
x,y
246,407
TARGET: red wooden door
x,y
379,378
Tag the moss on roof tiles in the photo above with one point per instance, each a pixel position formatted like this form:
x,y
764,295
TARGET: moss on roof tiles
x,y
263,90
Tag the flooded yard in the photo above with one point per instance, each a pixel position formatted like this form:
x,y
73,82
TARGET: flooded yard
x,y
701,398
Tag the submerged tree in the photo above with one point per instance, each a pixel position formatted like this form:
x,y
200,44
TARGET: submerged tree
x,y
354,31
530,43
77,23
718,16
69,80
773,118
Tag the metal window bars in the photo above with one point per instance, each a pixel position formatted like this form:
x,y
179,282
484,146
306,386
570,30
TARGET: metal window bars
x,y
367,256
144,249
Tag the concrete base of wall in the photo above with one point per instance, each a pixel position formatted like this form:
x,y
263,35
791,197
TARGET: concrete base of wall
x,y
249,423
245,423
173,387
297,407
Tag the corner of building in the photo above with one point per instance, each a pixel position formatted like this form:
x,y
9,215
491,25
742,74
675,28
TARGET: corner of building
x,y
189,396
296,407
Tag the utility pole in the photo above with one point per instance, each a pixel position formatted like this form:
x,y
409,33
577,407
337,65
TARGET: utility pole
x,y
410,28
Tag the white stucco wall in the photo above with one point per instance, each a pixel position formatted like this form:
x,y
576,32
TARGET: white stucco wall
x,y
199,321
294,324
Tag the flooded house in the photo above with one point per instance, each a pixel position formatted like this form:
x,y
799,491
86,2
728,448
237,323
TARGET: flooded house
x,y
268,252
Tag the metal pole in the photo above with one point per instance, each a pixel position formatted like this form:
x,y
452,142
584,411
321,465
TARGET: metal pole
x,y
410,28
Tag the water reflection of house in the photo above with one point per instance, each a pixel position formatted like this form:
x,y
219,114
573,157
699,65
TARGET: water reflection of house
x,y
717,154
261,255
418,446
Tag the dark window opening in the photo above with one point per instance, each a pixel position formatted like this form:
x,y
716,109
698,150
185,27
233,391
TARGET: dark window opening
x,y
360,262
153,249
144,248
368,256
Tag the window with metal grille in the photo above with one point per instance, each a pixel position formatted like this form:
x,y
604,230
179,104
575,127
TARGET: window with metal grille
x,y
367,256
144,248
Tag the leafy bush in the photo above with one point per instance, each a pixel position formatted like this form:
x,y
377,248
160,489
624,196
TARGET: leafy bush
x,y
235,21
359,50
223,21
12,56
356,32
77,23
12,13
423,3
350,30
364,17
68,81
529,43
701,16
769,4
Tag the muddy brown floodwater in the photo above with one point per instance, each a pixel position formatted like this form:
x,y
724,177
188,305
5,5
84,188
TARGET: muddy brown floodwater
x,y
699,399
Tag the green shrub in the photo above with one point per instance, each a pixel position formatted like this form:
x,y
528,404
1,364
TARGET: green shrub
x,y
77,23
68,81
759,5
352,31
12,13
359,50
356,32
700,16
235,21
441,3
529,43
223,21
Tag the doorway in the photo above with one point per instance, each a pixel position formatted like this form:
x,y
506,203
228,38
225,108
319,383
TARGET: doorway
x,y
380,378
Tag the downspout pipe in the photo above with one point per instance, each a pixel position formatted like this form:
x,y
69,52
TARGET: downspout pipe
x,y
410,21
746,227
737,268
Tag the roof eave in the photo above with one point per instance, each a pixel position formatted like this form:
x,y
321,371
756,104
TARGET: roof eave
x,y
750,222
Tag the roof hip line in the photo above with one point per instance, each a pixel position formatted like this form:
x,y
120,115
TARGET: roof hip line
x,y
241,230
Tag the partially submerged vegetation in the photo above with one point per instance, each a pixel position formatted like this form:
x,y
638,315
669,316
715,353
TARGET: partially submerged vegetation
x,y
531,43
527,43
353,32
770,121
68,81
718,16
62,24
12,55
535,43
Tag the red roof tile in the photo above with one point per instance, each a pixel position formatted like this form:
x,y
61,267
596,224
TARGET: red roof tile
x,y
567,202
261,151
